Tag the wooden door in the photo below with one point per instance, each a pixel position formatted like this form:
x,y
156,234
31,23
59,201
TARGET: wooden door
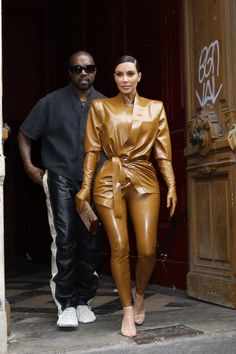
x,y
210,54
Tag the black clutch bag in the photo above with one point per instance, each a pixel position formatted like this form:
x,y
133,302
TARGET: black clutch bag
x,y
89,218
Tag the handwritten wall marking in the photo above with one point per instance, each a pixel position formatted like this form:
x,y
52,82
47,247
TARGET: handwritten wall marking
x,y
208,70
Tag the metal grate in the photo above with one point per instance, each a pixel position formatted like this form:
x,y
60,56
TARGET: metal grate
x,y
163,333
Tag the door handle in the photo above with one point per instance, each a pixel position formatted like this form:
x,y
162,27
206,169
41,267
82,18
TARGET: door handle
x,y
196,138
5,132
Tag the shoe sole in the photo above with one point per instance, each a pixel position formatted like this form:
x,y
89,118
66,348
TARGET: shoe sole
x,y
68,326
86,322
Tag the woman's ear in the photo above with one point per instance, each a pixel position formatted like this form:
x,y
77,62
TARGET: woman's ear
x,y
140,76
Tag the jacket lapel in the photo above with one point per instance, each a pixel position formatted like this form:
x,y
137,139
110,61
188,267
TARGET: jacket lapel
x,y
136,122
123,119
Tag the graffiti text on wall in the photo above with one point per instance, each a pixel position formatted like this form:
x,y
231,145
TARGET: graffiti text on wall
x,y
208,70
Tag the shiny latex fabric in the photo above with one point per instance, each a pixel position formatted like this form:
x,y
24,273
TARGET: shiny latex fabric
x,y
127,135
143,211
127,139
166,169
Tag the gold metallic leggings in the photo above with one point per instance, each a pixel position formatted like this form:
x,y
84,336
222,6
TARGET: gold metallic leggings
x,y
144,210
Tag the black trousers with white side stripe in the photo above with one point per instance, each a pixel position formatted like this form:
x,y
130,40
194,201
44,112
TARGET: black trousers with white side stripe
x,y
75,252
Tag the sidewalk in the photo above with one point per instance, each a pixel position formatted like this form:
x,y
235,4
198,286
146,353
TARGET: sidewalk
x,y
175,323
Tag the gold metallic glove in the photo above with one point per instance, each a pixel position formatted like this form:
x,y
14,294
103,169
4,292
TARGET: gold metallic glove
x,y
166,169
90,163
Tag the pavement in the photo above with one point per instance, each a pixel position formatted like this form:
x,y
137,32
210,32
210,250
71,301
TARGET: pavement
x,y
174,324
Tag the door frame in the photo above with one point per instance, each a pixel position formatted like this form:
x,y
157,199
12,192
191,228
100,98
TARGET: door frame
x,y
3,321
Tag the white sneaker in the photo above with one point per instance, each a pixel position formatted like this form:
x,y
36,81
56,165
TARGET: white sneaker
x,y
85,314
68,318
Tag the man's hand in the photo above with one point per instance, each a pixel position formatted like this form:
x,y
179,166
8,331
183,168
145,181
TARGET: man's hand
x,y
81,196
35,174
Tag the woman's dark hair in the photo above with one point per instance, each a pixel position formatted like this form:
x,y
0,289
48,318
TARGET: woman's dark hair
x,y
125,59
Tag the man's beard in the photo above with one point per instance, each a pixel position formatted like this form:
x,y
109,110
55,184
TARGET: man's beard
x,y
83,86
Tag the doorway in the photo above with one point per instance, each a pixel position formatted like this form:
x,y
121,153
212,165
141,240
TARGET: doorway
x,y
38,38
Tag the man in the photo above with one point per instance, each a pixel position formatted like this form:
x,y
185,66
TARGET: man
x,y
59,120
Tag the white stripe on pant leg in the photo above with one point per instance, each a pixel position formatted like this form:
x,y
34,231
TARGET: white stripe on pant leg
x,y
54,269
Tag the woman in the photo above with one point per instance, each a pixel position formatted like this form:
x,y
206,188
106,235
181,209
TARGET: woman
x,y
128,128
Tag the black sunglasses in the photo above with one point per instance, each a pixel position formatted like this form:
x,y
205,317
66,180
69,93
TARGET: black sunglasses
x,y
77,69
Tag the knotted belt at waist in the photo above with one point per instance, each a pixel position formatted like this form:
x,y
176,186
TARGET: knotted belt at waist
x,y
118,178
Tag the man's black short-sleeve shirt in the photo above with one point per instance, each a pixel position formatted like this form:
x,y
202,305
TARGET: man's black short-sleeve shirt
x,y
59,119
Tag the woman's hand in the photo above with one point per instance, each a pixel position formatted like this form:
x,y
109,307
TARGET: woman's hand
x,y
166,169
80,198
171,200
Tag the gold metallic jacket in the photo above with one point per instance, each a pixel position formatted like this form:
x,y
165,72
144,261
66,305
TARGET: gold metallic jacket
x,y
127,136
